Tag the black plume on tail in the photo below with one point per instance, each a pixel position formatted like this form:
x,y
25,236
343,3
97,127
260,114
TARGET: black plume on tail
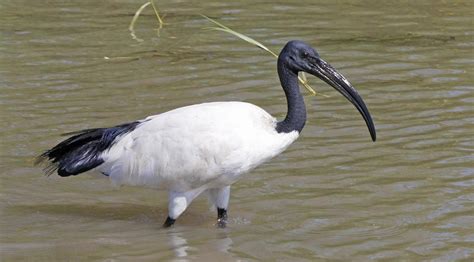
x,y
83,151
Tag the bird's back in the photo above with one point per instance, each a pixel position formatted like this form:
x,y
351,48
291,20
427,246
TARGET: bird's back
x,y
210,143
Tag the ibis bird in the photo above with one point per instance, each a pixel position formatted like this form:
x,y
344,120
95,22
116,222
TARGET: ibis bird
x,y
204,147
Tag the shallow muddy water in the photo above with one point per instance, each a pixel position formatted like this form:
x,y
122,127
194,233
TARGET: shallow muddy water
x,y
333,195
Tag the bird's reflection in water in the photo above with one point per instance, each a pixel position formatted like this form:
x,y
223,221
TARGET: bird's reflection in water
x,y
218,246
178,244
224,242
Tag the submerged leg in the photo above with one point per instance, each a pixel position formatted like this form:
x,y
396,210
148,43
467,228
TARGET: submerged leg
x,y
169,222
220,198
178,202
221,217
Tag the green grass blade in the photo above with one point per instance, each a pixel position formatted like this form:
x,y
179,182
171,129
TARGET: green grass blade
x,y
245,38
220,27
250,40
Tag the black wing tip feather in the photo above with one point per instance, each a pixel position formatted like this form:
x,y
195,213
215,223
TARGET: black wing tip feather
x,y
48,166
81,152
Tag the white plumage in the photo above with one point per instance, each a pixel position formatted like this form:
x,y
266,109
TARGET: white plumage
x,y
206,145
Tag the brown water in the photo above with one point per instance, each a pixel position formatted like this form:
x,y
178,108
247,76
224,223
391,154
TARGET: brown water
x,y
333,195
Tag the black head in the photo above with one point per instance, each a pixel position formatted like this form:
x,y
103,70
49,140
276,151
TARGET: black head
x,y
298,56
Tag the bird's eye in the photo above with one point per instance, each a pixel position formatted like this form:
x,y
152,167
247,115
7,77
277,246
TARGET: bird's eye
x,y
305,54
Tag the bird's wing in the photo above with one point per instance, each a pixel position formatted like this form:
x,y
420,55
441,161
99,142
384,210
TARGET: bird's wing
x,y
192,145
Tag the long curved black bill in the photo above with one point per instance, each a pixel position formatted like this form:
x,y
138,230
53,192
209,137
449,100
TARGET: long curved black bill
x,y
328,74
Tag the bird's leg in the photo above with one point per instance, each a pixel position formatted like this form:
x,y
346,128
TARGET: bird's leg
x,y
221,217
178,202
220,198
169,222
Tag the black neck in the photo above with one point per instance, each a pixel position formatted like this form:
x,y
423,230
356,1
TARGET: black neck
x,y
296,115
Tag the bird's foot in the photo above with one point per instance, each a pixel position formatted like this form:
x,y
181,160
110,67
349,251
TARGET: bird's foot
x,y
221,223
221,218
169,222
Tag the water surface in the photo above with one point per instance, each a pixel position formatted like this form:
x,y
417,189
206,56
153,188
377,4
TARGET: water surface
x,y
333,195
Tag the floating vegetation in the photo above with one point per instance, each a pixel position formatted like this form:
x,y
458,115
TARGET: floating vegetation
x,y
220,27
137,14
121,58
160,21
